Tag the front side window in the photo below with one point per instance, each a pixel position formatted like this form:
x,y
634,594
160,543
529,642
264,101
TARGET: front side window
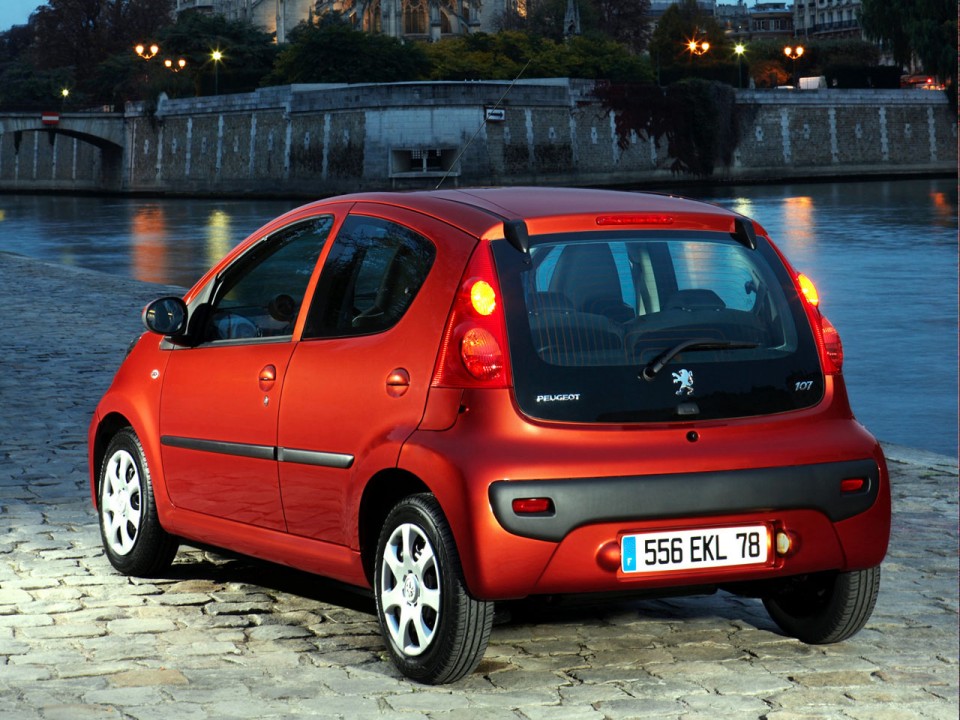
x,y
369,279
259,296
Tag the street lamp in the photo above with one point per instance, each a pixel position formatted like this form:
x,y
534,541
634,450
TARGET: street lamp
x,y
180,65
217,57
794,53
145,52
698,47
739,49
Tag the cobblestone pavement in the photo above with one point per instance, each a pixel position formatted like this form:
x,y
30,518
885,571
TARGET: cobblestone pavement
x,y
226,638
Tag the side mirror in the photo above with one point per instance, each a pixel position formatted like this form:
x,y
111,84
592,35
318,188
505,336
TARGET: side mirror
x,y
166,316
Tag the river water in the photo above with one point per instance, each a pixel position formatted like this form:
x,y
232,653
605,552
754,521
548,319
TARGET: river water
x,y
883,255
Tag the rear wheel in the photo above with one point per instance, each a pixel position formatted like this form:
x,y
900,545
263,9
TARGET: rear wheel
x,y
133,539
826,607
435,631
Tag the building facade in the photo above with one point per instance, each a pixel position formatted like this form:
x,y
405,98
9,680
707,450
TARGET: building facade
x,y
411,19
827,19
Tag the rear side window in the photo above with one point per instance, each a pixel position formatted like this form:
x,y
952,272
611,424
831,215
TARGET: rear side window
x,y
369,279
588,313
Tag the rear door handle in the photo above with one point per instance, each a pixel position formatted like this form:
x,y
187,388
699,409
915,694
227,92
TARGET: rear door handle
x,y
398,382
268,376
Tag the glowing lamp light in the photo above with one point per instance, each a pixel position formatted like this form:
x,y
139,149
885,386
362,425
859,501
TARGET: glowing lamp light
x,y
145,52
482,298
808,289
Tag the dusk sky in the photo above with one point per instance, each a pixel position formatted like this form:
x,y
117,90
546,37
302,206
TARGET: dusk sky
x,y
16,12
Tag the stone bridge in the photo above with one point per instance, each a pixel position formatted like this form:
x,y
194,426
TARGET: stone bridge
x,y
96,154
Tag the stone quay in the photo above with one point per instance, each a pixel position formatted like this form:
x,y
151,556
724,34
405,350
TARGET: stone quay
x,y
317,140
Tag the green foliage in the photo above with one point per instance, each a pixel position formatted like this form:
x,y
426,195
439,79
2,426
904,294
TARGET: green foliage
x,y
81,34
23,87
334,52
886,21
698,119
502,56
247,54
927,28
624,21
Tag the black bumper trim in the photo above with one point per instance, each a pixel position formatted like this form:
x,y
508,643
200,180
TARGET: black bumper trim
x,y
586,501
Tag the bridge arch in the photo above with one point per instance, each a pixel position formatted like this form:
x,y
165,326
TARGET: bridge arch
x,y
103,131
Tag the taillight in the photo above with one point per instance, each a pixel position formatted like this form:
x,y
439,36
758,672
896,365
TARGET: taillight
x,y
828,339
474,340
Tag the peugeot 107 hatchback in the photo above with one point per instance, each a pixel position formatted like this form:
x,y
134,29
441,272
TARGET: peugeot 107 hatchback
x,y
465,396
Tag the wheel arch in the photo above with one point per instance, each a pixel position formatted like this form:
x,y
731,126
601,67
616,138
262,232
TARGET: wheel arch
x,y
384,490
109,425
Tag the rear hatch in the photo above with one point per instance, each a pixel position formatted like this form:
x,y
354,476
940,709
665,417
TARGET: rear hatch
x,y
637,325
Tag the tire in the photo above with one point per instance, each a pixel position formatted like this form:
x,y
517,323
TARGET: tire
x,y
133,539
434,630
827,607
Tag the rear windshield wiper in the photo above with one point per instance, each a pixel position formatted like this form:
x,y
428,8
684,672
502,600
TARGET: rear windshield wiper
x,y
696,344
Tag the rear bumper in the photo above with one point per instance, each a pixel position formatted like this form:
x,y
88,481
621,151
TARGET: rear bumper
x,y
783,472
583,501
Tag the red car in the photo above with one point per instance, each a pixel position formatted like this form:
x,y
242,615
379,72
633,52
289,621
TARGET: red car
x,y
464,396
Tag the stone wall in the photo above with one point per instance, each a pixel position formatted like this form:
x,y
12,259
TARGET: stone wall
x,y
319,140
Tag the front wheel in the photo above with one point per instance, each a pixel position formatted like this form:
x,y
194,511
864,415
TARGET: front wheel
x,y
133,540
826,607
435,631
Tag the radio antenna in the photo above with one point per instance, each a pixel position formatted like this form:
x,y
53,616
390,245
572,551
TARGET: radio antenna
x,y
483,122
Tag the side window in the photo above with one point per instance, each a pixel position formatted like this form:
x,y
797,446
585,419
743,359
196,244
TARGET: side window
x,y
260,295
371,276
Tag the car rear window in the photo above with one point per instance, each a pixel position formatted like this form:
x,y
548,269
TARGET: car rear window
x,y
654,326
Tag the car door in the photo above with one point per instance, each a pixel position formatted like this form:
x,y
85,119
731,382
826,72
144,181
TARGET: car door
x,y
357,382
220,398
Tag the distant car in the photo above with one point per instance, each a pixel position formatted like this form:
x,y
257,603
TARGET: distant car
x,y
464,396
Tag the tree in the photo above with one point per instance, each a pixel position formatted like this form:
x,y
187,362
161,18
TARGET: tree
x,y
502,56
926,28
80,34
697,118
886,21
333,51
248,53
680,23
625,21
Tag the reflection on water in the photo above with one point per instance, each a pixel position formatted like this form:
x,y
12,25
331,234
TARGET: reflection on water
x,y
219,237
148,237
163,241
883,255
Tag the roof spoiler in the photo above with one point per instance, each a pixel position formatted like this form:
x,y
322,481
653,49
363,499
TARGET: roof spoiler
x,y
744,233
515,231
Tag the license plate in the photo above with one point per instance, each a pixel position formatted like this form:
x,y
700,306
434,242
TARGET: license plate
x,y
694,549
